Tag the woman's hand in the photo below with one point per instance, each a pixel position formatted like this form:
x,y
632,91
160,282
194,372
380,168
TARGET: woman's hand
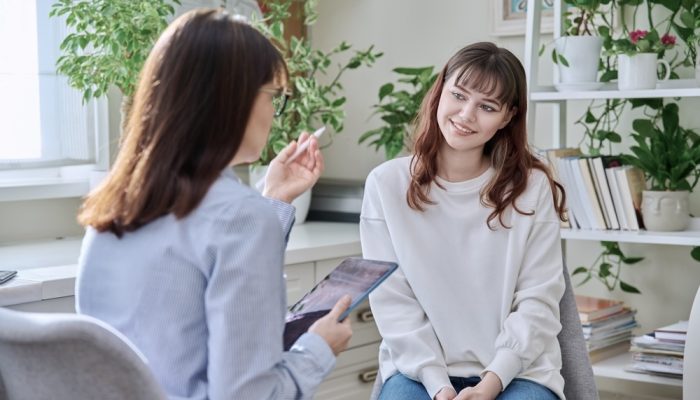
x,y
287,180
446,393
336,334
488,389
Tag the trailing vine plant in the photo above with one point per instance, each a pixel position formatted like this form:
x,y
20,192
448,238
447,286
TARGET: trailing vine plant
x,y
607,268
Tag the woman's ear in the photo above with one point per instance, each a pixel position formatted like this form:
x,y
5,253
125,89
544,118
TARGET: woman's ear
x,y
509,115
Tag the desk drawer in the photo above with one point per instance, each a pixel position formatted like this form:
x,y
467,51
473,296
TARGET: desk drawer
x,y
299,279
364,330
353,376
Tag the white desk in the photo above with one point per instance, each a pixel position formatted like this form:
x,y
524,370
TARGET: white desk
x,y
47,269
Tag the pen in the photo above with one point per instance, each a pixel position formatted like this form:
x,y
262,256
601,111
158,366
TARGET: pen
x,y
302,147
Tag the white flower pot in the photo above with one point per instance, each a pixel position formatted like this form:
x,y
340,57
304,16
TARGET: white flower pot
x,y
582,54
665,211
256,179
639,71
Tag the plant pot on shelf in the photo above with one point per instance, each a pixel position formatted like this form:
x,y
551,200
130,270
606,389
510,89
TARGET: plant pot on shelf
x,y
256,179
639,71
665,211
582,53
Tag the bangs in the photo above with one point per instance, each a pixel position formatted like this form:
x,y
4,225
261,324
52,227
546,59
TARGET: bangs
x,y
489,77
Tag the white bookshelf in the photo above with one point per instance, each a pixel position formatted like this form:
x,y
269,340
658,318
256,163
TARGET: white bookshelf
x,y
616,368
689,237
673,88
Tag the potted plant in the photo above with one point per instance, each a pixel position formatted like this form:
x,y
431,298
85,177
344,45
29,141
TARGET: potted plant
x,y
577,53
638,56
108,43
669,155
317,96
398,109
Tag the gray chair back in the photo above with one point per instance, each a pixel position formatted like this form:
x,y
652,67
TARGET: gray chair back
x,y
579,382
69,356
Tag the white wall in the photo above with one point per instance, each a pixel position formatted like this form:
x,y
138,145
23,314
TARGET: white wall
x,y
411,33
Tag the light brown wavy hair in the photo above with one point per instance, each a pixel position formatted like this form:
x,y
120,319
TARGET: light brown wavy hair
x,y
495,71
190,111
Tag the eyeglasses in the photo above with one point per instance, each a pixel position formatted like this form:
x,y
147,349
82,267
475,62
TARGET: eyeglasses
x,y
280,96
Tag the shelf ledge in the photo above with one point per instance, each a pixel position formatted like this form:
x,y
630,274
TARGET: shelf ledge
x,y
672,88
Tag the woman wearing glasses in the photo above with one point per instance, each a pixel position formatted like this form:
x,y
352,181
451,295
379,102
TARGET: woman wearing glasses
x,y
180,256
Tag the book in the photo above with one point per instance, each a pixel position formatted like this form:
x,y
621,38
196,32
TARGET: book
x,y
593,308
607,352
620,319
675,332
631,184
603,189
553,156
600,218
354,276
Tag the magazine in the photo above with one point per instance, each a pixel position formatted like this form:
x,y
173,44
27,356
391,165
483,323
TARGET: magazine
x,y
354,276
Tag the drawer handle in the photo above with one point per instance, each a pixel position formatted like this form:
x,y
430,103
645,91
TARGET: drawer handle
x,y
368,376
366,316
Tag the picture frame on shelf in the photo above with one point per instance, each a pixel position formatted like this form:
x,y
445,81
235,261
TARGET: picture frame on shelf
x,y
509,17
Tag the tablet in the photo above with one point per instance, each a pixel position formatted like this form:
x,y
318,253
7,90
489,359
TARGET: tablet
x,y
354,276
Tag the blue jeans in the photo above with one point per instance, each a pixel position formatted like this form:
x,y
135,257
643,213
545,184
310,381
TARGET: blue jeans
x,y
398,387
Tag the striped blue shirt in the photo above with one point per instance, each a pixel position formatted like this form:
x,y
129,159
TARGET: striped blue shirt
x,y
203,298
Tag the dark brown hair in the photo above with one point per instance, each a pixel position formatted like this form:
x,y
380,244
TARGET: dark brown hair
x,y
189,115
495,71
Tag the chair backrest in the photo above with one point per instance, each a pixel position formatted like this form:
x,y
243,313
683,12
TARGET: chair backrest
x,y
691,354
69,356
579,382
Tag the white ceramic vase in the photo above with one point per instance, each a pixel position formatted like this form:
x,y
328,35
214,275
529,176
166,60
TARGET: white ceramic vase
x,y
665,211
256,179
582,53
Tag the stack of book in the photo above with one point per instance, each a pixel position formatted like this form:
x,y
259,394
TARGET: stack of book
x,y
607,326
661,352
601,193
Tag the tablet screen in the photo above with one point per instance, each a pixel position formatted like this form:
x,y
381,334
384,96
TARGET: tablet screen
x,y
354,276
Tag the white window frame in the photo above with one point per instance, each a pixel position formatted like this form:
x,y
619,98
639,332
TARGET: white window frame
x,y
36,180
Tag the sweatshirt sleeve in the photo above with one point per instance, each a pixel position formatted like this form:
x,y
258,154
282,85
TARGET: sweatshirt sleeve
x,y
534,320
404,326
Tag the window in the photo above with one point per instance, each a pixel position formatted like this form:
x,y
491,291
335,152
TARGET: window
x,y
43,122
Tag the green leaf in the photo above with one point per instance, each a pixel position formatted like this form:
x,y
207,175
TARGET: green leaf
x,y
626,287
580,270
386,89
695,253
632,260
412,71
562,60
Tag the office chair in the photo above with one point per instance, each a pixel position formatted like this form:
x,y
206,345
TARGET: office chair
x,y
691,354
68,357
579,382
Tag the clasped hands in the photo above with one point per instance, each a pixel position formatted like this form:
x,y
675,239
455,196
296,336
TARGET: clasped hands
x,y
489,387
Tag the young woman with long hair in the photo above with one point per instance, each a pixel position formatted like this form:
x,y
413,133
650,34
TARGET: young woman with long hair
x,y
179,255
472,218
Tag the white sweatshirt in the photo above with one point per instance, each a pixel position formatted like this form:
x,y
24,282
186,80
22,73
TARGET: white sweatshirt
x,y
465,299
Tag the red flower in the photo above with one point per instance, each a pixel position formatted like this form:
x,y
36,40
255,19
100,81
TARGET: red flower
x,y
635,36
668,40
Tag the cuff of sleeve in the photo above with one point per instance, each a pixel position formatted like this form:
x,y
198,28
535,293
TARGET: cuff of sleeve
x,y
506,365
319,350
285,214
434,379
